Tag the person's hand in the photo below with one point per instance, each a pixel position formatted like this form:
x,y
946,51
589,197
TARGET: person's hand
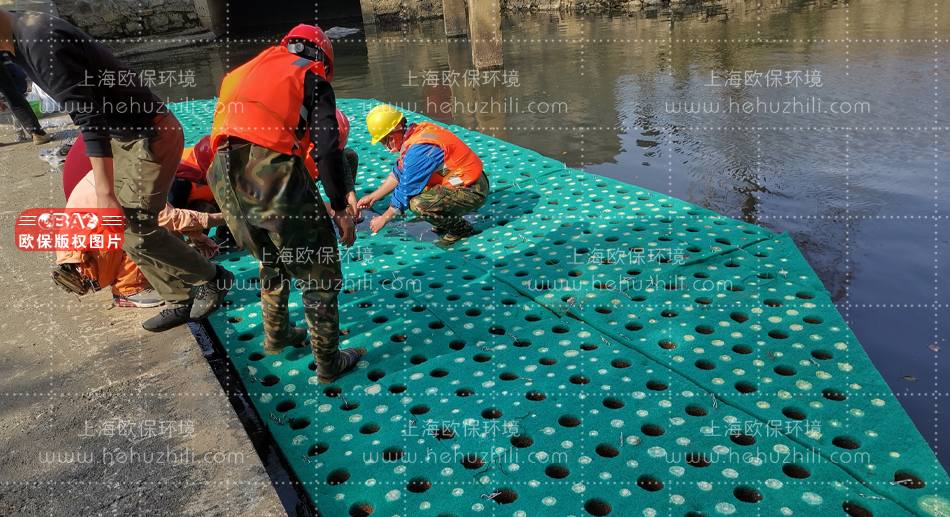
x,y
352,207
366,201
108,201
377,224
3,107
204,244
347,229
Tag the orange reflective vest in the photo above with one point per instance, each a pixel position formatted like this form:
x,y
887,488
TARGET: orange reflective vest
x,y
344,124
310,164
189,168
188,158
262,102
460,161
201,193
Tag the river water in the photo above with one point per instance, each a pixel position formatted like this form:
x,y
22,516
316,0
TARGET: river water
x,y
825,120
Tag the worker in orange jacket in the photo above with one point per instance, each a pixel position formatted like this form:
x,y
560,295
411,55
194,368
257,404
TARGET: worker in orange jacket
x,y
269,199
437,176
189,188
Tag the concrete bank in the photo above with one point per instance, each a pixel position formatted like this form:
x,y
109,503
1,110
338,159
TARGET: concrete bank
x,y
97,416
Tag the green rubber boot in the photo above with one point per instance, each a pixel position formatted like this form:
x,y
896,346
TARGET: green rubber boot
x,y
298,335
329,371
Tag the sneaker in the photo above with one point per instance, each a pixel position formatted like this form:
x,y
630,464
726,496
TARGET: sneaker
x,y
298,336
143,299
348,359
42,139
169,319
210,294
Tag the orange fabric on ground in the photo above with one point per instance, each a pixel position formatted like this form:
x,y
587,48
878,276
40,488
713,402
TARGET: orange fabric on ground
x,y
115,268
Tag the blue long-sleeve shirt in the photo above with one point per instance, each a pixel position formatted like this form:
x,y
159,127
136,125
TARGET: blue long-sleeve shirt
x,y
420,161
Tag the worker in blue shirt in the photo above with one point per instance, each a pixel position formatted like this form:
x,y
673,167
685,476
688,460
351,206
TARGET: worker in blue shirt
x,y
436,176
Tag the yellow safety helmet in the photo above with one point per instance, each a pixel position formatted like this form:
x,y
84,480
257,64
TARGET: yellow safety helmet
x,y
381,120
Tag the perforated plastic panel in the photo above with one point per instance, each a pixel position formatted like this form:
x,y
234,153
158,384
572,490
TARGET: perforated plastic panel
x,y
597,349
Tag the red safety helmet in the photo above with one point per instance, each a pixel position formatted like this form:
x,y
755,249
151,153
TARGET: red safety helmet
x,y
344,124
203,153
315,35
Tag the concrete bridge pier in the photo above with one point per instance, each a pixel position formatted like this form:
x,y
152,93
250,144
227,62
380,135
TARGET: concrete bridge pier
x,y
460,60
213,16
456,22
485,31
369,13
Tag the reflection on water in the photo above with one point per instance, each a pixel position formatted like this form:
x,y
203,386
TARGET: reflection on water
x,y
854,188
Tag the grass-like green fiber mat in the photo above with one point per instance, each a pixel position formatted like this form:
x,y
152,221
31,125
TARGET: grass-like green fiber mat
x,y
598,349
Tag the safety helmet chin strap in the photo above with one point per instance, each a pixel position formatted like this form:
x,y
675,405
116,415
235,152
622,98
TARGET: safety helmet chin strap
x,y
311,53
315,54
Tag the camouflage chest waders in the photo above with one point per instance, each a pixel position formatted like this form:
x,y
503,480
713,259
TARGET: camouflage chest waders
x,y
274,211
443,207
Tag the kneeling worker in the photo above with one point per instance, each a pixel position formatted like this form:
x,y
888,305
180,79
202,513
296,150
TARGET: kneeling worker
x,y
437,176
268,198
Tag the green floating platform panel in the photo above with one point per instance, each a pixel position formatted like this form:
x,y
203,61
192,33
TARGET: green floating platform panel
x,y
597,349
196,118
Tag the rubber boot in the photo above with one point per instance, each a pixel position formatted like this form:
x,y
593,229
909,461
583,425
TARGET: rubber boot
x,y
278,333
329,369
297,335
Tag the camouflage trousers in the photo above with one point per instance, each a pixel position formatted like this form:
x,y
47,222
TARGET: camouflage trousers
x,y
443,207
275,211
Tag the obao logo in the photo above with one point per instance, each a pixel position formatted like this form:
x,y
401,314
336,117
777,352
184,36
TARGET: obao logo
x,y
65,229
65,221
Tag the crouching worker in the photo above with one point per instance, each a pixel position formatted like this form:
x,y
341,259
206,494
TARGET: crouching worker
x,y
268,198
81,272
437,176
189,188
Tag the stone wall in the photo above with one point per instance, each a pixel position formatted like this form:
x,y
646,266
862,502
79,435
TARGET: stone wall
x,y
408,9
590,5
403,10
125,18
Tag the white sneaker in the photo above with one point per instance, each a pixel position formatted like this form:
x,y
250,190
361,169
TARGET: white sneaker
x,y
143,299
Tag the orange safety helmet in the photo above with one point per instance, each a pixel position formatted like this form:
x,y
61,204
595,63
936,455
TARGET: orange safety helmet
x,y
203,153
344,124
315,35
